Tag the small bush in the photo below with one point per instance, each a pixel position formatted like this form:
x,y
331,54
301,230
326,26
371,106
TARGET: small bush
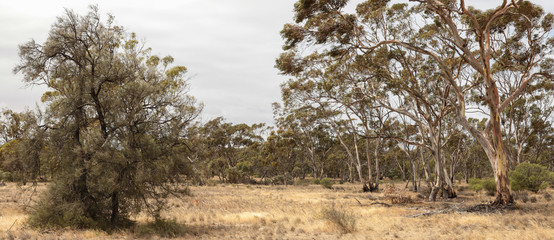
x,y
302,182
488,185
7,176
316,181
162,228
326,183
266,181
280,180
211,182
533,199
343,220
234,175
532,177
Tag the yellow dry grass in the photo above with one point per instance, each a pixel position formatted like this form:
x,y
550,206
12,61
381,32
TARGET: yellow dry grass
x,y
294,212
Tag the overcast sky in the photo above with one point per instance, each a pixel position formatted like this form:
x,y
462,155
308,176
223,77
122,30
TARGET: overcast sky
x,y
229,46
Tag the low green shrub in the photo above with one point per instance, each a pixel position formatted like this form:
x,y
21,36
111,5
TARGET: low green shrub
x,y
280,180
326,183
316,181
6,176
266,181
529,176
488,185
302,182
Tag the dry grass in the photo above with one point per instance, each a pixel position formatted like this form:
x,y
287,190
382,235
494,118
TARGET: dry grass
x,y
294,212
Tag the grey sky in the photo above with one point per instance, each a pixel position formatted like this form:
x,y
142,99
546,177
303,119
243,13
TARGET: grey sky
x,y
229,46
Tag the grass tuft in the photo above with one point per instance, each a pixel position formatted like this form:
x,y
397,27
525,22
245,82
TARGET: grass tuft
x,y
343,220
162,228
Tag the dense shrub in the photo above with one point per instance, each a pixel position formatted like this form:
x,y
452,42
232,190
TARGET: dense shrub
x,y
280,180
61,214
266,181
302,182
326,183
234,175
528,176
488,185
316,181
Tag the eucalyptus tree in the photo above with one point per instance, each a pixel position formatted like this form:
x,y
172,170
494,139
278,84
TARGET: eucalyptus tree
x,y
529,122
365,82
281,153
329,81
314,135
480,43
116,116
22,153
513,38
222,146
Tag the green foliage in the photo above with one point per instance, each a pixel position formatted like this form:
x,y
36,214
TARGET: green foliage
x,y
316,181
229,151
343,220
6,176
488,185
529,176
117,146
302,182
267,181
233,175
280,180
162,228
53,211
327,183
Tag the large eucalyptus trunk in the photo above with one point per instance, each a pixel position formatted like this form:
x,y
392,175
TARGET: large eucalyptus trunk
x,y
500,161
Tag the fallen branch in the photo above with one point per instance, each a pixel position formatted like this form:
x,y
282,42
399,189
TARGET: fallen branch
x,y
12,225
428,213
381,203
